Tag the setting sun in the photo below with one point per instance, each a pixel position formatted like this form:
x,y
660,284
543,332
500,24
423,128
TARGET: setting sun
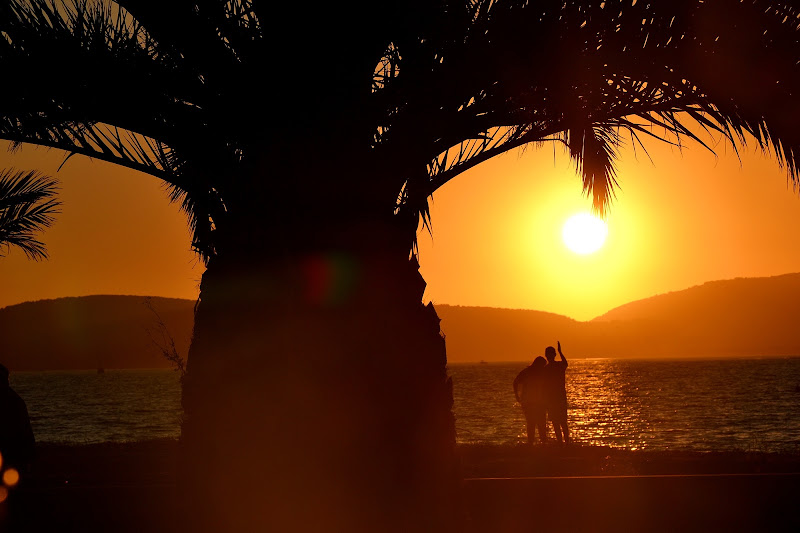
x,y
584,233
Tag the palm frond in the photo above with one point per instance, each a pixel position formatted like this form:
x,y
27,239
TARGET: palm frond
x,y
27,206
594,149
177,89
585,72
93,81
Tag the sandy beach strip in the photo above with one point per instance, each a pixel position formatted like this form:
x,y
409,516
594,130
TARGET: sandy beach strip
x,y
130,487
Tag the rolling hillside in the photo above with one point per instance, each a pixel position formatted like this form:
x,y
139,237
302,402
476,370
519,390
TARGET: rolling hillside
x,y
744,317
90,332
738,317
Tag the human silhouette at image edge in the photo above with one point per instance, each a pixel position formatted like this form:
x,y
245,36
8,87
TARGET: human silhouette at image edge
x,y
16,436
556,392
529,390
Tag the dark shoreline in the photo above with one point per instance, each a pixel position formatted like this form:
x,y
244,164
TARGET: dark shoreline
x,y
486,461
154,461
114,487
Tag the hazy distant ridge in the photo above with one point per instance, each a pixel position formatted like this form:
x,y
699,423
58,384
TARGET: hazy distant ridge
x,y
731,318
742,316
90,331
491,334
741,297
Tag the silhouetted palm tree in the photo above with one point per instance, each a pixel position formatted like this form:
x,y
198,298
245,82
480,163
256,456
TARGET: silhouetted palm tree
x,y
304,142
27,206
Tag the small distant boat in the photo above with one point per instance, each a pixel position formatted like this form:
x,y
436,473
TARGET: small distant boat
x,y
482,362
101,370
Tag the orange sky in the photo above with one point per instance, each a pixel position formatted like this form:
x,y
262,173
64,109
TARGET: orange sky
x,y
679,221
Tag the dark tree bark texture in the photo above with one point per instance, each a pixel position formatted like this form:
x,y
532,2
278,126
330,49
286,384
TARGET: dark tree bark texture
x,y
317,397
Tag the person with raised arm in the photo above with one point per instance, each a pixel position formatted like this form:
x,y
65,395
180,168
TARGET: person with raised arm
x,y
556,392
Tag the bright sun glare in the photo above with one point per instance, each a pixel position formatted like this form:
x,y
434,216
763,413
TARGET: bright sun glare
x,y
584,233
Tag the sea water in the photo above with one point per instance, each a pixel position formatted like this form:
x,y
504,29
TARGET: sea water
x,y
751,404
707,405
79,407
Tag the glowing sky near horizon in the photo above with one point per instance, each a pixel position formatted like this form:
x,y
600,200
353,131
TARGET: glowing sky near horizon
x,y
678,221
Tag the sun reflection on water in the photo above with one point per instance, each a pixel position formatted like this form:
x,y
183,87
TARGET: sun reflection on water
x,y
607,410
700,405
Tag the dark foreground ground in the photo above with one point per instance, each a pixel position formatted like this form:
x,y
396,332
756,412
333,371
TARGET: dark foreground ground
x,y
130,487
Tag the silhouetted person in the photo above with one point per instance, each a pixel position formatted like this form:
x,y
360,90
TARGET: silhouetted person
x,y
529,389
556,392
16,436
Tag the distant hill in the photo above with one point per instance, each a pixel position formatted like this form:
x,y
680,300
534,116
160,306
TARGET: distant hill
x,y
487,334
90,332
737,317
743,317
491,334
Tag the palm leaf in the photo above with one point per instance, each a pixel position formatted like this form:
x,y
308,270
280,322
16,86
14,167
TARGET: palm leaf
x,y
584,73
100,84
27,206
102,62
175,89
593,149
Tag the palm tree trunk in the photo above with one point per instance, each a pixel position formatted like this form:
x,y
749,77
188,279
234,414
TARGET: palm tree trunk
x,y
317,398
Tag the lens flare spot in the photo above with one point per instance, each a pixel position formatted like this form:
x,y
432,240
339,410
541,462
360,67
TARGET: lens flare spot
x,y
3,494
10,477
329,279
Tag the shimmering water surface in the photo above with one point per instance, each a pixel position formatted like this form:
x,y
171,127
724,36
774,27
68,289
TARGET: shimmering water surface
x,y
87,407
701,405
698,404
